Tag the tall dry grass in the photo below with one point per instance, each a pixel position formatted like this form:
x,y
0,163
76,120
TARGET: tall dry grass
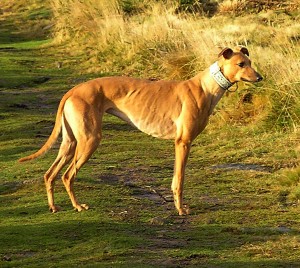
x,y
154,39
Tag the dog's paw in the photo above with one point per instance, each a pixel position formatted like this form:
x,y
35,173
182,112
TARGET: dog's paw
x,y
81,207
184,211
54,209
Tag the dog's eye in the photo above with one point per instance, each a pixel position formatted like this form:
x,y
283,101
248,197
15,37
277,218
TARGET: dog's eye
x,y
241,64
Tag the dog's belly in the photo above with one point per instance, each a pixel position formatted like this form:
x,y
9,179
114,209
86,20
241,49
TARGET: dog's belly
x,y
161,128
152,124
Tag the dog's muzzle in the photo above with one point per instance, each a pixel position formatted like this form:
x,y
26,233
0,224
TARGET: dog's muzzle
x,y
257,78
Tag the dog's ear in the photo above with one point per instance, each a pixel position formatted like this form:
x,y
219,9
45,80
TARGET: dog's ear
x,y
244,50
226,53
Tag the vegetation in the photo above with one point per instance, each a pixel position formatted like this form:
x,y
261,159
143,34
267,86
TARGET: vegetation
x,y
243,175
156,39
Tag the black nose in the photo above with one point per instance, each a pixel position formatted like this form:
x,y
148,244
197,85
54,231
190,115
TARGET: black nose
x,y
259,78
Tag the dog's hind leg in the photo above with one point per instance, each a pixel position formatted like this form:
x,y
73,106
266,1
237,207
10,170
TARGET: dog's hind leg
x,y
85,121
65,154
85,148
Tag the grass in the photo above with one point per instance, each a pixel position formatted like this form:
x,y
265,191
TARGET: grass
x,y
242,178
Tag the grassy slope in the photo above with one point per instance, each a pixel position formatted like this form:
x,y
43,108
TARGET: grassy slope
x,y
240,218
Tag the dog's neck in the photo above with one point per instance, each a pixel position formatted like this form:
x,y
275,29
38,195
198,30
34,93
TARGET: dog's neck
x,y
211,88
218,76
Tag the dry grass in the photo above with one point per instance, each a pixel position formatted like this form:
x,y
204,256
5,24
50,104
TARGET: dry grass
x,y
158,42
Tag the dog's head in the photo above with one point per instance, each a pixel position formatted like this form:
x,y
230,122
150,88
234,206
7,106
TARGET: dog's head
x,y
236,65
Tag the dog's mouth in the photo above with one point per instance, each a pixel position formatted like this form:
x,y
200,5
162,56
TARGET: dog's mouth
x,y
247,80
258,79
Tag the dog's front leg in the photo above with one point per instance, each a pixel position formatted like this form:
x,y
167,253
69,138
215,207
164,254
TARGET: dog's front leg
x,y
182,150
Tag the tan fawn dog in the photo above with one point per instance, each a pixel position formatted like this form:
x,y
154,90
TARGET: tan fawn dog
x,y
176,110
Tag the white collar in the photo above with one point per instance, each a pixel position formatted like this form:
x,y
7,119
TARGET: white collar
x,y
221,80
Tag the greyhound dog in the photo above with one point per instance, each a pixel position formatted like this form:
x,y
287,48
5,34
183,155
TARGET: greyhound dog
x,y
176,110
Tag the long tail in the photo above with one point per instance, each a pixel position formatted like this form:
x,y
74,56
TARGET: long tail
x,y
55,132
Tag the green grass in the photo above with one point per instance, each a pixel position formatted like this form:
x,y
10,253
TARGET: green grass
x,y
239,217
